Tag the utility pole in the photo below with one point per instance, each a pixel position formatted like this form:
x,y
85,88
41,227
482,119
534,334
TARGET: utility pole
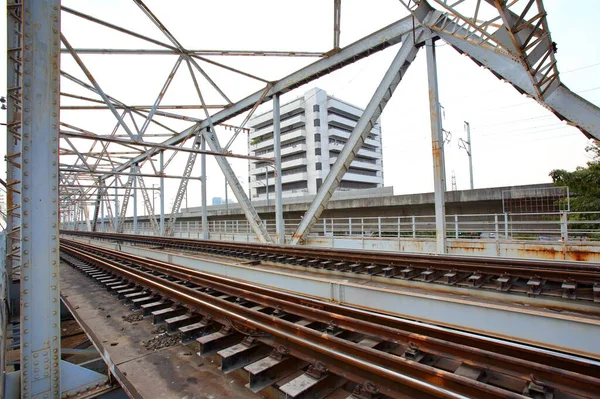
x,y
466,145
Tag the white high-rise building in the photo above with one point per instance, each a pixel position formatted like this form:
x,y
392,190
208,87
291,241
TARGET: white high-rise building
x,y
314,129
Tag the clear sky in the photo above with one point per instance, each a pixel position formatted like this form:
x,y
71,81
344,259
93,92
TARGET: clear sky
x,y
515,140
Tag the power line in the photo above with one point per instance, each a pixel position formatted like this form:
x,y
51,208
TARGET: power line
x,y
580,68
513,121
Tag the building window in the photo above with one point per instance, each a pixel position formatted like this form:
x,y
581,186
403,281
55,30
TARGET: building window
x,y
316,108
317,122
317,151
317,137
319,182
318,166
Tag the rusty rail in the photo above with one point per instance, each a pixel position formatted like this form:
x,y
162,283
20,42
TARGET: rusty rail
x,y
572,280
359,364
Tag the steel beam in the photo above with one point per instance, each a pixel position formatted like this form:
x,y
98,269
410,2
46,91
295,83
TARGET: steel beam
x,y
254,220
337,16
40,293
99,90
231,53
565,104
573,334
13,136
210,137
279,223
135,204
130,144
147,202
362,48
386,88
160,96
125,203
162,193
183,184
102,213
116,205
203,193
437,149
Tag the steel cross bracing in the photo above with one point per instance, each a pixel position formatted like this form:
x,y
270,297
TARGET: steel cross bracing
x,y
514,43
183,186
123,211
13,136
389,83
511,39
109,210
527,48
525,37
97,206
148,204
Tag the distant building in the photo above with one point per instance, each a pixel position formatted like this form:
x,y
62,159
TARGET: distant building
x,y
221,201
314,129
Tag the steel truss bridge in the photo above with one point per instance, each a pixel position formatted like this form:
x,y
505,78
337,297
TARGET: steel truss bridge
x,y
57,164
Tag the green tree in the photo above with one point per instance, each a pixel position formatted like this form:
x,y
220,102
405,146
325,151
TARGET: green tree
x,y
583,182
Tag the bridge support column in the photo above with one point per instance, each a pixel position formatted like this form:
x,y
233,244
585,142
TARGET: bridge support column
x,y
279,226
437,147
203,194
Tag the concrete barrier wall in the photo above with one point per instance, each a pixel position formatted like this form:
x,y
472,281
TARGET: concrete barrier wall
x,y
579,251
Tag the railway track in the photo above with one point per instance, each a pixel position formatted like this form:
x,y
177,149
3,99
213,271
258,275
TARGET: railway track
x,y
562,279
307,348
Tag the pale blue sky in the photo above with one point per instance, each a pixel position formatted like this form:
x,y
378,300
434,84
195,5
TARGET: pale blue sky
x,y
515,141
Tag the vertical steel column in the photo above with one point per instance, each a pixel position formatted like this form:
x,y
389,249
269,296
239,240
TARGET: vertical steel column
x,y
40,301
102,211
162,193
76,206
13,136
116,222
86,215
337,16
236,187
135,204
564,226
437,147
203,193
364,125
279,226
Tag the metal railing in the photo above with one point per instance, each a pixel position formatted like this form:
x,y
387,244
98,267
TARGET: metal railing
x,y
557,226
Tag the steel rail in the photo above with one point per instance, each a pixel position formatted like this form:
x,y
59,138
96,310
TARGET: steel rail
x,y
588,273
376,326
358,362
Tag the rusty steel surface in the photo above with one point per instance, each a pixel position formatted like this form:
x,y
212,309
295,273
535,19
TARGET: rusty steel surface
x,y
566,279
359,364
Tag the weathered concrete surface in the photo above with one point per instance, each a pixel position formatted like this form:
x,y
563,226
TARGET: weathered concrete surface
x,y
375,202
586,251
572,329
173,372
